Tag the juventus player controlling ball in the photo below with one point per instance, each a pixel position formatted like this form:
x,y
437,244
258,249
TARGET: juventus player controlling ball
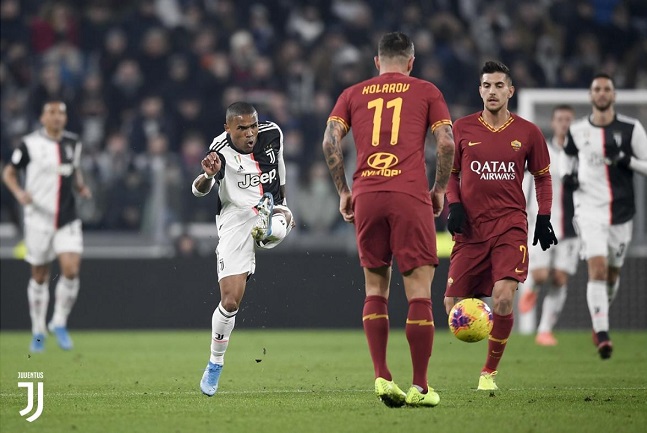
x,y
245,164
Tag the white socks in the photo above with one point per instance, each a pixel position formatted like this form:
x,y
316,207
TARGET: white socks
x,y
66,293
222,323
598,301
38,297
551,308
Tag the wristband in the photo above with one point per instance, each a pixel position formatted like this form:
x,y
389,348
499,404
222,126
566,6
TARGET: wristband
x,y
207,176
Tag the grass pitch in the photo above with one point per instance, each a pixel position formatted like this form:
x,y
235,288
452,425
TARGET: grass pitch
x,y
320,381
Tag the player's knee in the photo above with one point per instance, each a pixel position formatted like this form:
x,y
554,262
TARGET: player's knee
x,y
560,279
502,306
229,304
40,274
449,303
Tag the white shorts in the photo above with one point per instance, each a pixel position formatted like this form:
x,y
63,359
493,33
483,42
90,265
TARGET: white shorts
x,y
43,245
236,248
563,256
235,252
600,239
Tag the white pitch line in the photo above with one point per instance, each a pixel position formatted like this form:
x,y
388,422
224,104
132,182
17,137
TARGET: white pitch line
x,y
299,391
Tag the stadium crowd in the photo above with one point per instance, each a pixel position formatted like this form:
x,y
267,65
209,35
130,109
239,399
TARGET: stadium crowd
x,y
147,82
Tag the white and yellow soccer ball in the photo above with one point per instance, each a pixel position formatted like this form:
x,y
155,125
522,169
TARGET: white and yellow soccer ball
x,y
470,320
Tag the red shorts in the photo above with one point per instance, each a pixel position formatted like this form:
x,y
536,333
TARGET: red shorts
x,y
393,224
475,267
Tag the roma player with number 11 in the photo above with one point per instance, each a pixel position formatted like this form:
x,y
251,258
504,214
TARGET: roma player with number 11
x,y
391,204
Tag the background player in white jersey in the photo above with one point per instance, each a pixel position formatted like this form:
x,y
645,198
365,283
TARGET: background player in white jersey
x,y
601,155
550,268
246,164
50,158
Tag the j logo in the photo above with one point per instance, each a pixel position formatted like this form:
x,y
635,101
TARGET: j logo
x,y
30,400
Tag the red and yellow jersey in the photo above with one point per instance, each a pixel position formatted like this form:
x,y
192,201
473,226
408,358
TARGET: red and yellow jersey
x,y
490,164
389,116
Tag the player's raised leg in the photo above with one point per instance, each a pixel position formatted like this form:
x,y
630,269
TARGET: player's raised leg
x,y
263,227
281,223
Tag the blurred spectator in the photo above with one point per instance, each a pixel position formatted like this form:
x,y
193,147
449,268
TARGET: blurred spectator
x,y
91,109
95,25
141,19
12,24
317,203
190,118
50,86
126,198
124,94
55,24
193,149
114,161
114,51
151,121
186,246
153,58
164,204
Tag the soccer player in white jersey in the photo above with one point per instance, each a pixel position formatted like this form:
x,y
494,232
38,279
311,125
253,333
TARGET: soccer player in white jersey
x,y
245,163
551,268
50,158
602,153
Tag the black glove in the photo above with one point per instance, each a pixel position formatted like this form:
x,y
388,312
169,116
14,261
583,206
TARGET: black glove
x,y
456,218
614,155
570,182
544,232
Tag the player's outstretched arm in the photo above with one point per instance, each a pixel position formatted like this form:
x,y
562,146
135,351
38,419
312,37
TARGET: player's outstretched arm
x,y
331,145
202,184
445,148
10,178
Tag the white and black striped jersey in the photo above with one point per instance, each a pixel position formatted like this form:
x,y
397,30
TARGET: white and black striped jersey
x,y
49,177
562,209
606,192
245,177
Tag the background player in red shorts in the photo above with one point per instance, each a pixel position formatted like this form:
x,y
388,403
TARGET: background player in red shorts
x,y
487,207
391,204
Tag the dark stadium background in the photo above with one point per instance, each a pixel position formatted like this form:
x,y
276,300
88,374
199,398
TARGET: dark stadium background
x,y
147,82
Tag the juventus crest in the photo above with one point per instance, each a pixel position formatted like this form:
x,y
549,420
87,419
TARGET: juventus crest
x,y
270,152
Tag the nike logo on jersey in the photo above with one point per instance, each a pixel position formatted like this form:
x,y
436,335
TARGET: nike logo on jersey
x,y
473,143
519,271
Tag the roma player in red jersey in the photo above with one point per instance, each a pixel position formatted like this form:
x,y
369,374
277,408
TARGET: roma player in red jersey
x,y
488,209
391,204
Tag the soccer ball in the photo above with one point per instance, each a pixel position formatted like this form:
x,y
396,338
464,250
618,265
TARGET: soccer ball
x,y
470,320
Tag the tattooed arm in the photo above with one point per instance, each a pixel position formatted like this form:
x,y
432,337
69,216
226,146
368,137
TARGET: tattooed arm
x,y
444,161
335,132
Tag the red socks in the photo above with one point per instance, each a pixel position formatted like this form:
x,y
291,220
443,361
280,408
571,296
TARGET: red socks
x,y
420,335
376,327
497,341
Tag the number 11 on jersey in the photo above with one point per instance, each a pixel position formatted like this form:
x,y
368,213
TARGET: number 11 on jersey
x,y
378,105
